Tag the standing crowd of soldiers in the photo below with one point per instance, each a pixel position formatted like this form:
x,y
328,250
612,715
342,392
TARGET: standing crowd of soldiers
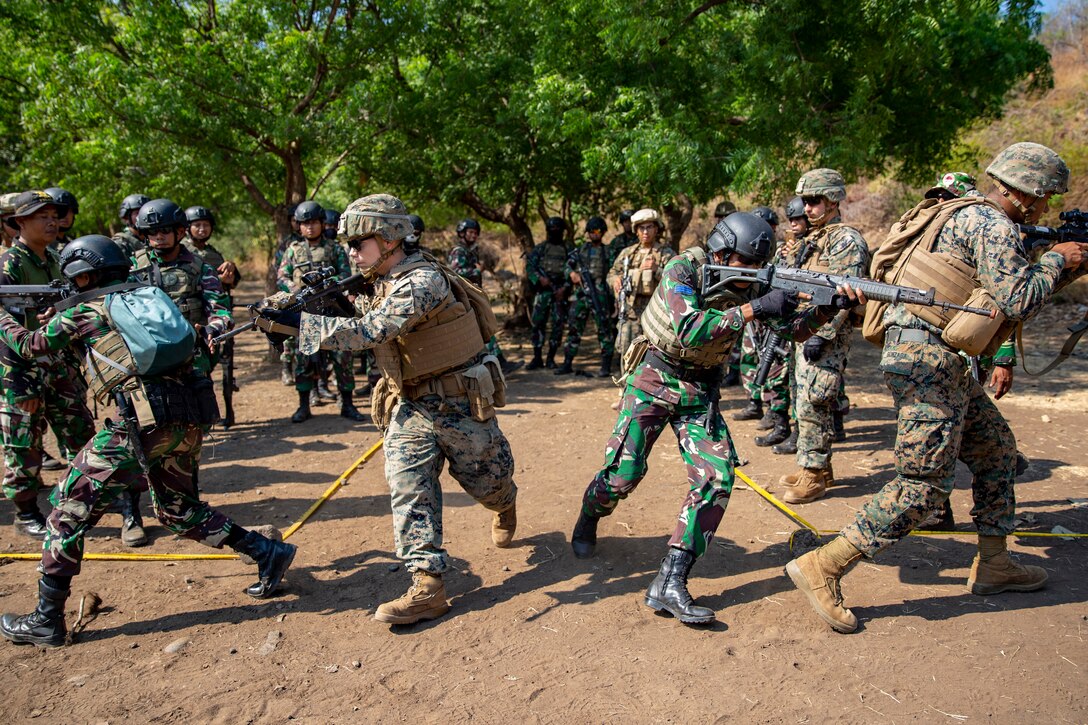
x,y
429,335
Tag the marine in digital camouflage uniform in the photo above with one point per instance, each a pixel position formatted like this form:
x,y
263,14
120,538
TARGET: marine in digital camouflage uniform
x,y
109,464
943,414
647,259
819,363
676,384
597,258
546,268
426,403
37,391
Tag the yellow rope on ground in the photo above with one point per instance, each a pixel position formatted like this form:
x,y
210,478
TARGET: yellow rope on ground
x,y
201,557
797,518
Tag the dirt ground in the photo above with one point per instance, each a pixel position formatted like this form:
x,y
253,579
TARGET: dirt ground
x,y
538,636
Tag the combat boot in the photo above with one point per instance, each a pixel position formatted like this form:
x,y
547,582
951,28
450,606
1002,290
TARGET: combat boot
x,y
425,599
779,433
323,391
788,446
817,575
668,591
132,522
44,627
767,421
994,570
549,362
273,560
731,378
29,521
584,538
941,520
51,464
503,526
810,485
566,368
287,373
606,366
348,409
838,434
538,360
303,413
508,367
752,411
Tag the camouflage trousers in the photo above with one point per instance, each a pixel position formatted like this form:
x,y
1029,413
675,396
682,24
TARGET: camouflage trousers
x,y
308,370
580,312
628,329
776,391
423,434
710,459
546,307
818,388
107,467
943,415
64,409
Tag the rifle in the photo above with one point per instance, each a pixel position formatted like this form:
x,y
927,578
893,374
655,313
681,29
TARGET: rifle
x,y
1075,229
322,294
626,288
589,289
23,299
560,292
822,287
230,386
771,353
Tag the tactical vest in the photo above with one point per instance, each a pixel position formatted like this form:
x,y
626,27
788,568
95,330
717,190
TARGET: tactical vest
x,y
553,260
657,322
307,259
209,254
644,281
446,339
181,281
595,257
819,240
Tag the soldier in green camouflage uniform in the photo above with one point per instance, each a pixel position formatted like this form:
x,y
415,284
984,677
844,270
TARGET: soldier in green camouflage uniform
x,y
789,255
943,413
36,392
626,238
465,261
109,464
199,232
7,206
646,260
597,258
314,252
433,407
689,336
129,239
546,268
834,248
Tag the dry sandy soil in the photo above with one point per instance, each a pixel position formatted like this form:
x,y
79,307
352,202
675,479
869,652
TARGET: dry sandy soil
x,y
538,636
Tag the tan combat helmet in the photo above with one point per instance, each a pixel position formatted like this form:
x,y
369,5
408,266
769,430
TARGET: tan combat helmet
x,y
378,214
645,215
827,183
1030,168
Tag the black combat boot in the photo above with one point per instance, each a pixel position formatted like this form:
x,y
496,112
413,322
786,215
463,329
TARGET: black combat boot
x,y
788,446
584,539
731,378
839,430
566,368
303,413
668,591
51,464
752,411
767,421
44,627
606,366
348,409
132,522
538,359
941,520
780,430
323,391
549,362
273,559
29,521
508,367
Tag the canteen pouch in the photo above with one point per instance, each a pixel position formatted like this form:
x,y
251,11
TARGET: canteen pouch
x,y
975,334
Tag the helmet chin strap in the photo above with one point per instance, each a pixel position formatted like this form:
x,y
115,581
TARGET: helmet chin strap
x,y
819,222
371,272
1007,193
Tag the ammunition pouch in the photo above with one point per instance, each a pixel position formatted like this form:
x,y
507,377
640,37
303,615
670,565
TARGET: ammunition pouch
x,y
632,358
173,401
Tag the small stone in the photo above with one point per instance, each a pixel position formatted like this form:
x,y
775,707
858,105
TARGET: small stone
x,y
78,680
357,664
134,645
331,669
36,713
394,567
189,580
271,642
232,651
1045,419
281,617
170,563
176,646
506,568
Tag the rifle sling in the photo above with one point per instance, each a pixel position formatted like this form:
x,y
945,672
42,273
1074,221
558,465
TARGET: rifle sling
x,y
1076,331
78,299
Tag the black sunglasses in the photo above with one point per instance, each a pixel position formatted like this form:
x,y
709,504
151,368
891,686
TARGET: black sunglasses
x,y
355,243
811,200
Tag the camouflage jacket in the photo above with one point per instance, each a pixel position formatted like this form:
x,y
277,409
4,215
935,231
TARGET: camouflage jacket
x,y
549,259
597,258
660,252
286,242
129,243
299,259
465,262
22,376
843,251
212,257
988,240
620,242
211,303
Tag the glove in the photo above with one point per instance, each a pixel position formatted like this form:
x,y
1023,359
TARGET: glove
x,y
813,349
776,303
840,302
282,317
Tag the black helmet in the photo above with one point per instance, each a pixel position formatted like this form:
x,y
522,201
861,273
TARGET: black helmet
x,y
596,224
466,224
767,214
93,253
332,217
64,198
795,208
555,224
199,213
626,214
160,214
132,203
307,211
417,224
745,234
724,209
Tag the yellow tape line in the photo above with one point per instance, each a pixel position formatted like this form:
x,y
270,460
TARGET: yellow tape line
x,y
797,517
203,557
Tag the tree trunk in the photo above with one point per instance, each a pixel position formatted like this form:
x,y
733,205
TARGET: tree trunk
x,y
677,218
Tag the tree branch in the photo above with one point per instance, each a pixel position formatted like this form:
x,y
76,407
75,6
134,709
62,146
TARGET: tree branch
x,y
333,167
257,195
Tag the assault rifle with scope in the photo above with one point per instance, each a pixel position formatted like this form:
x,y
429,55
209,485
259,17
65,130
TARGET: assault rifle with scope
x,y
1075,229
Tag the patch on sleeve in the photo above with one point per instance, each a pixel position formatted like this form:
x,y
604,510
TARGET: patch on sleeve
x,y
684,289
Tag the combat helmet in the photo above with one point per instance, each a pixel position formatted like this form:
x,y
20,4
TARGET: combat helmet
x,y
952,185
642,216
199,214
64,197
795,208
744,233
466,224
827,183
596,224
132,203
160,214
724,209
308,211
626,214
378,214
94,253
417,224
1030,168
767,214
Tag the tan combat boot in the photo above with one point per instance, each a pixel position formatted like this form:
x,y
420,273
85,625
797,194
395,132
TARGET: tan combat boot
x,y
790,480
993,571
811,484
425,599
817,575
503,526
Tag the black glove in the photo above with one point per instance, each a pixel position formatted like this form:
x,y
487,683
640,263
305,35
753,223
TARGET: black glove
x,y
814,348
288,318
776,303
841,302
